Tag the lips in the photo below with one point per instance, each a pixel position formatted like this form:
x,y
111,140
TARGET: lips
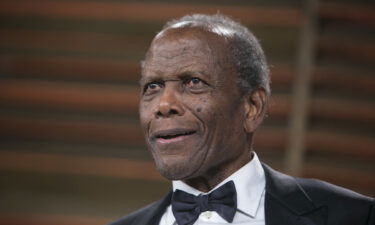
x,y
172,135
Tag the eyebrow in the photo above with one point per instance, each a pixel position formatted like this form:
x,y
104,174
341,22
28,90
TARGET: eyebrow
x,y
154,77
147,80
192,73
185,74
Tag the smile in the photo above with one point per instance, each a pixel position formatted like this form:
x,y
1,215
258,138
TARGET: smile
x,y
172,135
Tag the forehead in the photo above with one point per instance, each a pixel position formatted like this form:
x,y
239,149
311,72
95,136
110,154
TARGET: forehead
x,y
186,48
188,35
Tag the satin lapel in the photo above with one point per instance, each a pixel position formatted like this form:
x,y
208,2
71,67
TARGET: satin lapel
x,y
287,203
154,214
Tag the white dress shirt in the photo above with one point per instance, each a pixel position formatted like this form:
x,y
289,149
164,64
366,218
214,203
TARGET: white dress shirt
x,y
250,185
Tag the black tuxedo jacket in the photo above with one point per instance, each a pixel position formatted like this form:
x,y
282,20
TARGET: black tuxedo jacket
x,y
289,201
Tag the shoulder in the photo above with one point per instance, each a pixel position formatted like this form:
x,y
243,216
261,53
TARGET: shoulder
x,y
325,192
317,191
339,201
337,204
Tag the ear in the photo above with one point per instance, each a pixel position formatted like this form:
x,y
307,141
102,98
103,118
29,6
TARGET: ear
x,y
255,109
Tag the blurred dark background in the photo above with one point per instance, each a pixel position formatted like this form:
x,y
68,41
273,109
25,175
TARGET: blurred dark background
x,y
71,150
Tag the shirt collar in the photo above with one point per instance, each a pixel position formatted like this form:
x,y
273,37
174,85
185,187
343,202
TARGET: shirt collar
x,y
250,183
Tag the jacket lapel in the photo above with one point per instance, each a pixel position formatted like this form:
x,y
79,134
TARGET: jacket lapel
x,y
155,212
287,203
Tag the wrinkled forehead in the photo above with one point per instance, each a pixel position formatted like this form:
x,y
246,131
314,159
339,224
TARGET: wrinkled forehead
x,y
187,39
181,48
187,48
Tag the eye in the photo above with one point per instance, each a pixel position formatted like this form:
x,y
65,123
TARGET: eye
x,y
195,83
151,88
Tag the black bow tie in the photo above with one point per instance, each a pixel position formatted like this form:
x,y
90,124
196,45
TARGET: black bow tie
x,y
186,207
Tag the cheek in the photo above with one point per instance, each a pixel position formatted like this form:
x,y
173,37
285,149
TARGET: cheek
x,y
145,113
206,112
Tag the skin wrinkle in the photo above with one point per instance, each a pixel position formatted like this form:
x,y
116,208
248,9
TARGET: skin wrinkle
x,y
210,155
203,129
204,181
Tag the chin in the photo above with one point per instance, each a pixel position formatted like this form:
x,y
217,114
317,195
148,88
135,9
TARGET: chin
x,y
175,169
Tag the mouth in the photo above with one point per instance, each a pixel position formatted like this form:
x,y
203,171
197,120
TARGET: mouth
x,y
172,135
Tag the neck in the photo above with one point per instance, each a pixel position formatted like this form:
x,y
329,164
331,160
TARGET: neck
x,y
216,175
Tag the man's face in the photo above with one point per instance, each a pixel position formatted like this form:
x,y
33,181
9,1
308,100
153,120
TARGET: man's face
x,y
191,110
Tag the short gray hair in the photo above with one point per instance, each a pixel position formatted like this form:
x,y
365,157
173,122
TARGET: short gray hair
x,y
247,53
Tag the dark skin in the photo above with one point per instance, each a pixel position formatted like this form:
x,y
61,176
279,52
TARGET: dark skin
x,y
198,125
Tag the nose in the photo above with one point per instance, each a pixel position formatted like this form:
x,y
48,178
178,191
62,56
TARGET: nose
x,y
169,103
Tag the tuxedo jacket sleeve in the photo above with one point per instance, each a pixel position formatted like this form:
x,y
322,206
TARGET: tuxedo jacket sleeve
x,y
289,201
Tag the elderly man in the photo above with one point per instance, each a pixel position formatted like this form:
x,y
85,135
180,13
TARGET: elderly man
x,y
204,91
